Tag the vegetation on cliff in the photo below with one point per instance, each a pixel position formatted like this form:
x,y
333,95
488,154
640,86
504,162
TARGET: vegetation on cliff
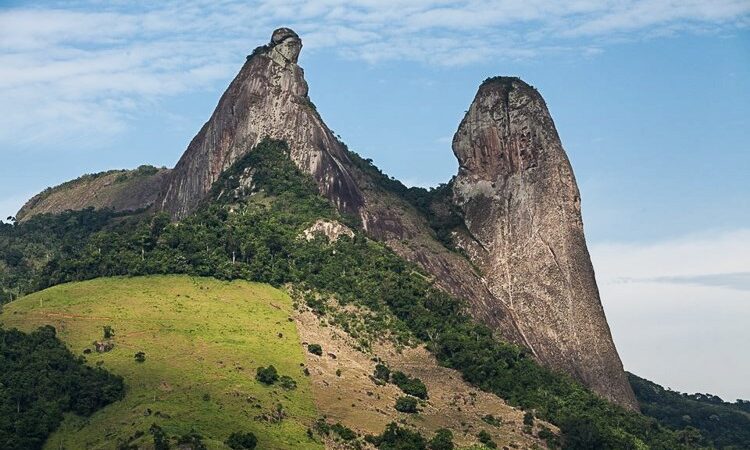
x,y
251,231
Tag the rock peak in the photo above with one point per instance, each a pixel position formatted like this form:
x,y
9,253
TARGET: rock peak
x,y
521,207
286,43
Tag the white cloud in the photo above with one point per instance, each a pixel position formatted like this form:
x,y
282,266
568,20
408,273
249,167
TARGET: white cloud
x,y
83,67
679,309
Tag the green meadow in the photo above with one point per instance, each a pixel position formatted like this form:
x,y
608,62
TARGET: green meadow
x,y
203,340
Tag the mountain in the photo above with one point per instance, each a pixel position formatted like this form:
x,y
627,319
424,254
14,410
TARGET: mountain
x,y
119,190
522,211
509,239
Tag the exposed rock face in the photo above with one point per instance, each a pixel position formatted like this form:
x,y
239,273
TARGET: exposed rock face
x,y
268,98
522,209
535,285
119,190
331,229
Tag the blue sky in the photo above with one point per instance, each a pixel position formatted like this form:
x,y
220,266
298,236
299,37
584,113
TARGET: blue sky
x,y
650,97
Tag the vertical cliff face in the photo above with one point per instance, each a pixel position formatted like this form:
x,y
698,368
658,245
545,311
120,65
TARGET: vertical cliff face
x,y
515,187
522,211
268,98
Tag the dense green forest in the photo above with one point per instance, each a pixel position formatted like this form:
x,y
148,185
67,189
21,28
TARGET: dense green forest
x,y
723,424
39,381
253,232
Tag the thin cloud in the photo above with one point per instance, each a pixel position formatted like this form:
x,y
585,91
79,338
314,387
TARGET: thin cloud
x,y
671,303
70,71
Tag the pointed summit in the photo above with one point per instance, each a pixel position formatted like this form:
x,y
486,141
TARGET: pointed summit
x,y
267,99
522,210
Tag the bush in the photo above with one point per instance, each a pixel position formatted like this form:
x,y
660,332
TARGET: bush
x,y
492,420
443,440
192,440
382,372
528,418
485,438
406,405
344,432
411,386
161,441
287,382
241,441
109,332
397,438
140,357
315,349
267,375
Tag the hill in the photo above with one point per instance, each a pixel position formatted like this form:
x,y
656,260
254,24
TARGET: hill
x,y
119,190
203,340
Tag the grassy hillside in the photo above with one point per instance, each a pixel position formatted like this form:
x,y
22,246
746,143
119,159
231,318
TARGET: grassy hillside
x,y
203,340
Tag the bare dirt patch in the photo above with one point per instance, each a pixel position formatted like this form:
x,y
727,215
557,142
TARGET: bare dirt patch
x,y
345,391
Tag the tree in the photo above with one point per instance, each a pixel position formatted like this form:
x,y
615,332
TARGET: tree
x,y
382,372
443,440
406,404
486,439
267,375
241,441
315,349
161,441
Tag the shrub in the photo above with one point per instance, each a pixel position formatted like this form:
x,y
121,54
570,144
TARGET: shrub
x,y
161,441
492,420
485,438
411,386
406,404
397,438
267,375
140,357
287,382
192,440
528,418
241,441
443,440
382,372
109,332
344,432
315,349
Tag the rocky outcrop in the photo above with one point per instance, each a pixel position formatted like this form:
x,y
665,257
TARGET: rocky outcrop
x,y
534,284
267,99
330,229
119,190
524,269
522,211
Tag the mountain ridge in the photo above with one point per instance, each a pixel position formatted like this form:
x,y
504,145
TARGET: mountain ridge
x,y
269,99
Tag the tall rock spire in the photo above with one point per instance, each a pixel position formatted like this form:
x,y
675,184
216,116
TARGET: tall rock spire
x,y
268,98
522,210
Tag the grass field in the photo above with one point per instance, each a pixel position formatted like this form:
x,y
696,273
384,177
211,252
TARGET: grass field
x,y
203,340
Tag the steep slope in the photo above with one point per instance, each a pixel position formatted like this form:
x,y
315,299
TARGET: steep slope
x,y
203,340
552,306
522,210
119,190
267,99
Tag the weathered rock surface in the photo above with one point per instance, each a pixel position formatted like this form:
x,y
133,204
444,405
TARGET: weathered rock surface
x,y
331,229
526,272
267,99
119,190
522,209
